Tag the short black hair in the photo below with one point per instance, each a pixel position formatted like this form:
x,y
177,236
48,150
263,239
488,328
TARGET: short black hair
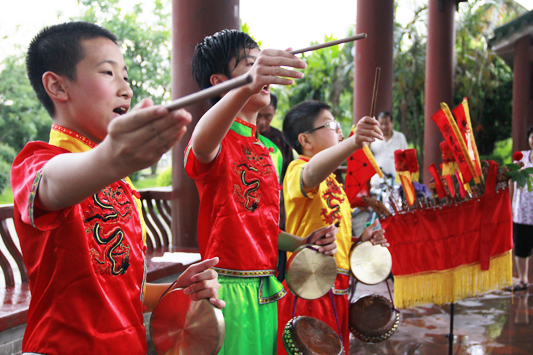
x,y
214,53
274,101
59,49
529,131
385,114
300,119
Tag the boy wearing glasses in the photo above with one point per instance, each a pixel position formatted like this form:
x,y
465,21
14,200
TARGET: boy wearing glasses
x,y
314,198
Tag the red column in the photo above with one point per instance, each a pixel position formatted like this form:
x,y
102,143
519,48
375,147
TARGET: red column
x,y
191,22
439,74
376,19
521,93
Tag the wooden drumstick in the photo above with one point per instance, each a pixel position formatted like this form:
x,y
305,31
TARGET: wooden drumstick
x,y
213,91
375,93
329,44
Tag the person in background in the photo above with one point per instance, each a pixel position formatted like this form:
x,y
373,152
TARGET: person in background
x,y
264,118
384,150
522,201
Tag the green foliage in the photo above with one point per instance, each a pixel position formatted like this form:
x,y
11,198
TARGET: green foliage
x,y
22,117
481,76
409,79
246,29
7,154
5,172
503,151
165,177
145,43
135,176
6,196
328,78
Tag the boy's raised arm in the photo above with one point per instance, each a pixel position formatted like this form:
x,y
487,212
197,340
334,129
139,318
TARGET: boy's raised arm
x,y
266,69
134,141
322,164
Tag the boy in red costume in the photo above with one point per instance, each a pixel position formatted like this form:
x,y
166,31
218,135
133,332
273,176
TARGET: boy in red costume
x,y
239,189
314,199
77,214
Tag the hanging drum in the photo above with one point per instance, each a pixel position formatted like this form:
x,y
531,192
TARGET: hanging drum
x,y
373,318
370,264
179,326
310,336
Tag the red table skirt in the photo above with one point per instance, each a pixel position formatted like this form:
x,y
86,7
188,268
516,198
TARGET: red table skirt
x,y
443,254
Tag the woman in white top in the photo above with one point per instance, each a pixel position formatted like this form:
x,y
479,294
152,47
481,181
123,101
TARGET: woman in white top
x,y
522,201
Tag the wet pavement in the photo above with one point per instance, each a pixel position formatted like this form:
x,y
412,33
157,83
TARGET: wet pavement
x,y
498,322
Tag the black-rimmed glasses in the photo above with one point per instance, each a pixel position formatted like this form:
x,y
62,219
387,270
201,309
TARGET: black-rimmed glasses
x,y
333,125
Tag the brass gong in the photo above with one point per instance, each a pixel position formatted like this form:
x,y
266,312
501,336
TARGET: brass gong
x,y
310,274
179,326
370,264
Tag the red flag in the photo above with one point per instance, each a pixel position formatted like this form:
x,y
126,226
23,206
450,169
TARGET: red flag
x,y
361,167
402,163
449,130
438,182
449,180
462,115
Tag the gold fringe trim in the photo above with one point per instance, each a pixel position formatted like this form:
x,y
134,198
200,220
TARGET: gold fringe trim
x,y
451,285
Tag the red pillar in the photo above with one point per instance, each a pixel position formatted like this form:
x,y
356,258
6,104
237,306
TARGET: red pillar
x,y
521,93
376,19
439,74
191,22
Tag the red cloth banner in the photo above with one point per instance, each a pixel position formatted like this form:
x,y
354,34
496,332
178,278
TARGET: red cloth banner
x,y
438,239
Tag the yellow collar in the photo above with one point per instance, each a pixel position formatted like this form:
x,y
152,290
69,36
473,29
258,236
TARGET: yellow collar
x,y
69,140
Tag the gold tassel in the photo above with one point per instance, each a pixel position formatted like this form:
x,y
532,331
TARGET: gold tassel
x,y
449,168
451,285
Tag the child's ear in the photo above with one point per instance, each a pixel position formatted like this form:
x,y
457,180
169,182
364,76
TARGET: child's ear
x,y
55,86
216,79
304,141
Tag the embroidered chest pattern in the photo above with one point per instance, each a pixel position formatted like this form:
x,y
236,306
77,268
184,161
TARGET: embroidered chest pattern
x,y
250,167
110,209
334,198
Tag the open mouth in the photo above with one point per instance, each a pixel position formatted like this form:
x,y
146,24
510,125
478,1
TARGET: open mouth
x,y
120,110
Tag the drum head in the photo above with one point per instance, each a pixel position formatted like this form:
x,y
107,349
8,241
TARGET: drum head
x,y
181,326
310,274
310,336
370,264
373,318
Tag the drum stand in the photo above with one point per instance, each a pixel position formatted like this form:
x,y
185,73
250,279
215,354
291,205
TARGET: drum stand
x,y
450,335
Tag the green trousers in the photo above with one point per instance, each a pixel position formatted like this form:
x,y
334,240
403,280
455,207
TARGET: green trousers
x,y
251,327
